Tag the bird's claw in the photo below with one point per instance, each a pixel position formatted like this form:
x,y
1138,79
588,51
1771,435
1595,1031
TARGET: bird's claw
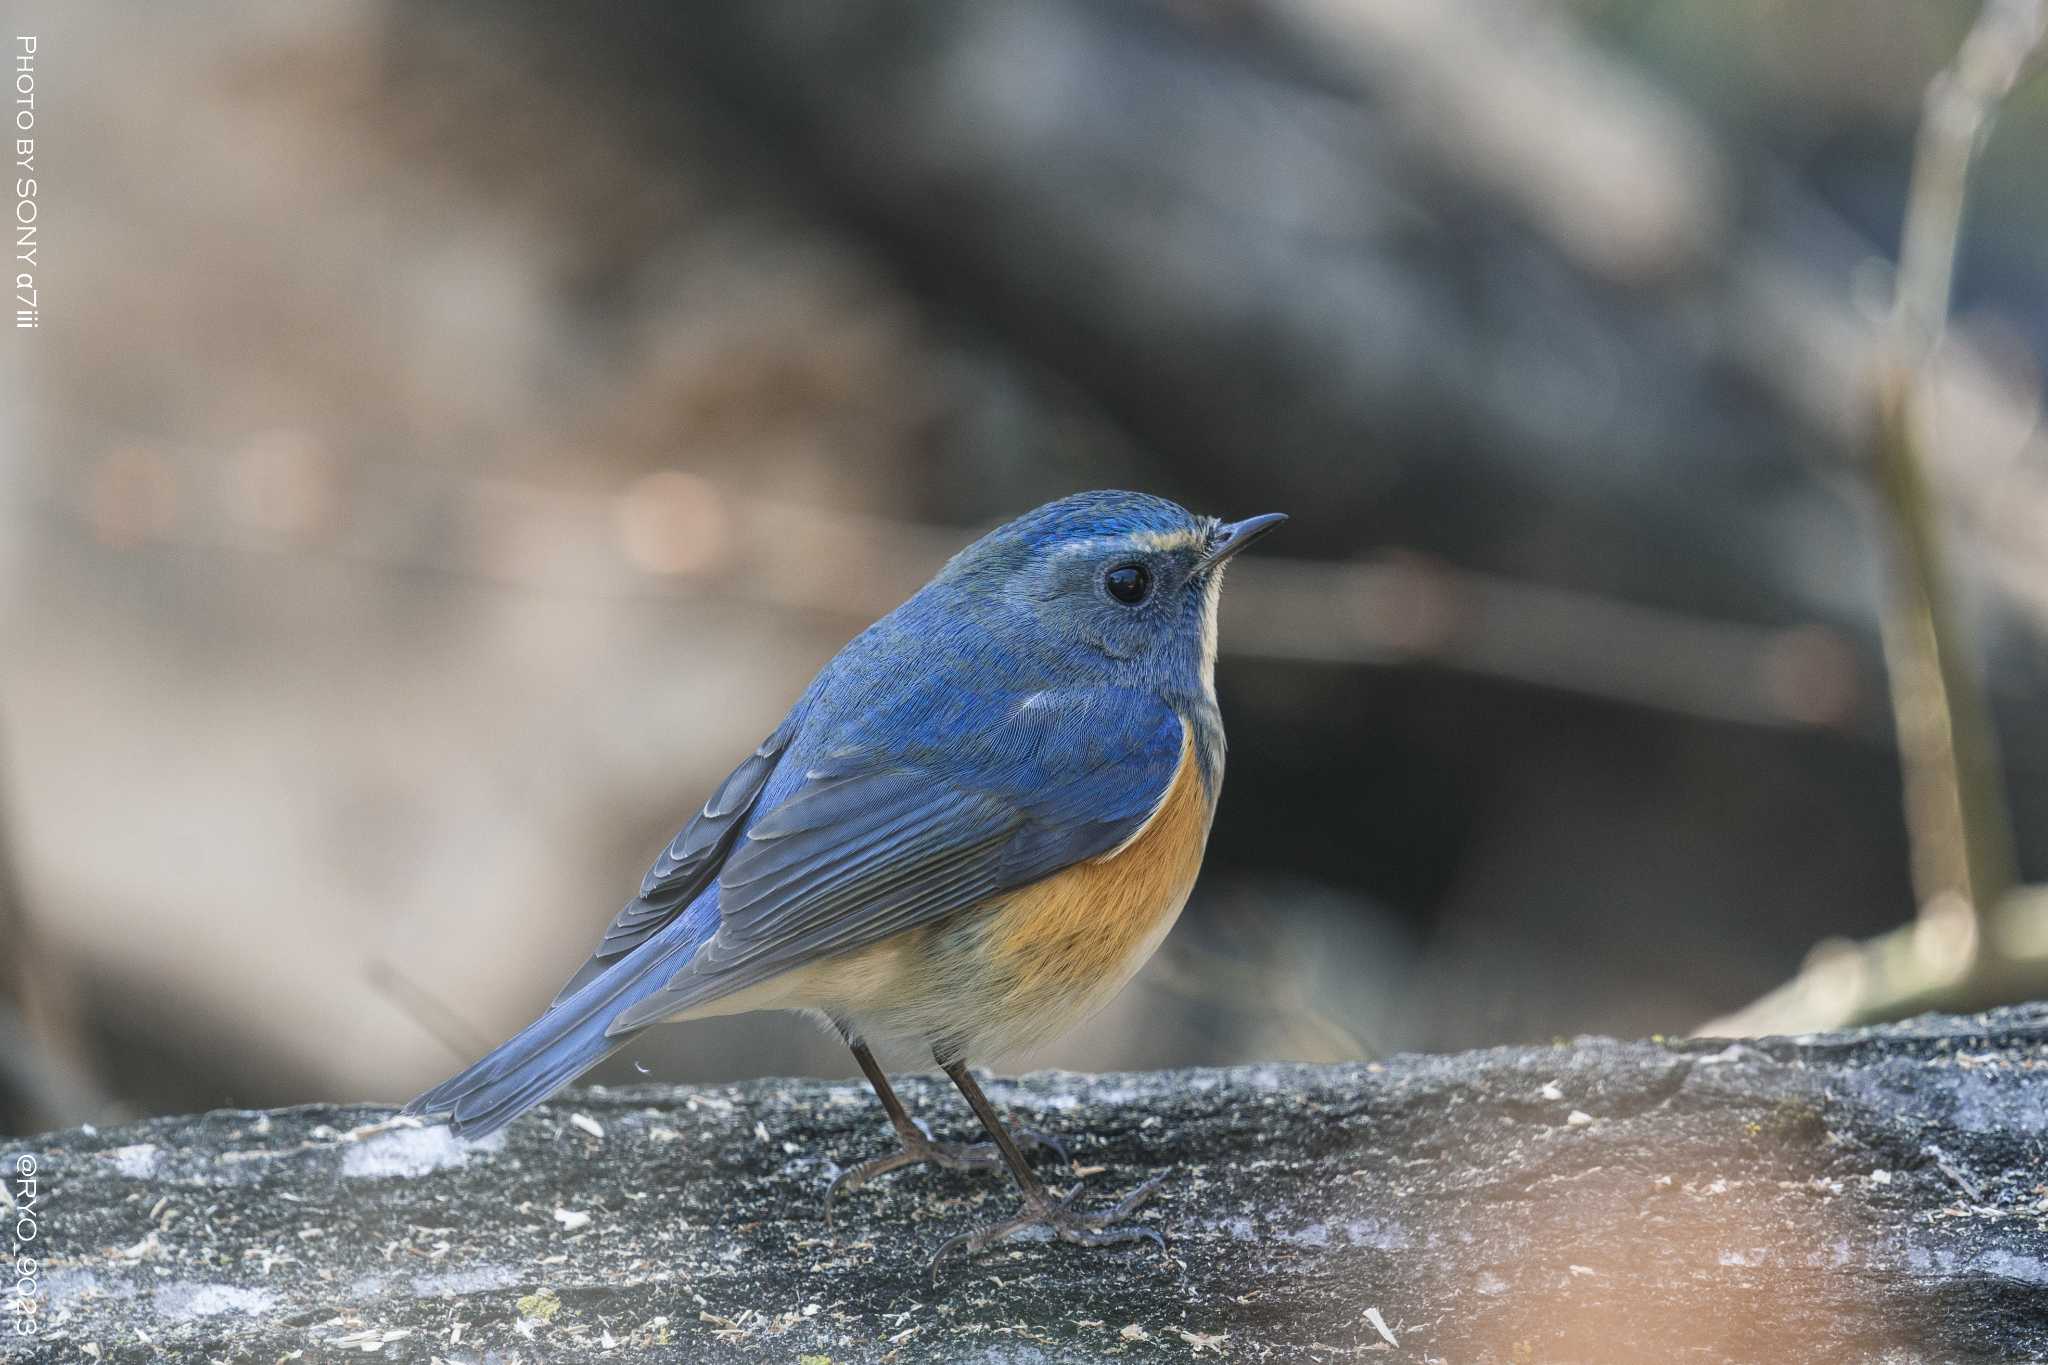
x,y
1059,1217
1034,1137
951,1156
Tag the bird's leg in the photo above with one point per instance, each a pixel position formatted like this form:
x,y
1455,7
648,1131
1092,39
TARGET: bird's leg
x,y
918,1146
1041,1209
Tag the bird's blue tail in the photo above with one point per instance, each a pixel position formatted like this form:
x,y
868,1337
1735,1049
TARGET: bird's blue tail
x,y
559,1046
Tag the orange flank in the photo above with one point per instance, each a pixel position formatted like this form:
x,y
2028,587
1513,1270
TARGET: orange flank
x,y
1067,944
1021,968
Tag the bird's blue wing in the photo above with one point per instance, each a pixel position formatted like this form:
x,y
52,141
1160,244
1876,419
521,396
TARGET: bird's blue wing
x,y
878,838
689,863
639,953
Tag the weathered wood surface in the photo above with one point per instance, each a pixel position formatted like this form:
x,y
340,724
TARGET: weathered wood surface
x,y
1872,1196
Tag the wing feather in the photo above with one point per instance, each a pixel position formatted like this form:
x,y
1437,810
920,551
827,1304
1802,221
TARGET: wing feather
x,y
690,862
866,848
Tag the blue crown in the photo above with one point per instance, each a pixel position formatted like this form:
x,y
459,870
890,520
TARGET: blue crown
x,y
1106,512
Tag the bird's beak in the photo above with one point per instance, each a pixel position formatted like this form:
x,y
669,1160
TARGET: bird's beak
x,y
1235,536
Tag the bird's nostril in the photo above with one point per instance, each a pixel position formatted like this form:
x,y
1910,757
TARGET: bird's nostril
x,y
1231,537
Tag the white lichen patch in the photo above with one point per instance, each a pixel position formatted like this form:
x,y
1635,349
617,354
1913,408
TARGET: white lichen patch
x,y
181,1300
1268,1077
139,1161
480,1279
82,1283
409,1152
1236,1229
1380,1234
366,1287
2015,1267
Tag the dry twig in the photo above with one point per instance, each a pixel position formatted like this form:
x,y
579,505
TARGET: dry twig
x,y
1955,806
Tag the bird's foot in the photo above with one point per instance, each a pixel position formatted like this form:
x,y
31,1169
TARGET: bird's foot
x,y
923,1150
1065,1222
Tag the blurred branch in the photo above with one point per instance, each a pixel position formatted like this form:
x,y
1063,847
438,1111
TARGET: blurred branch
x,y
1411,609
1955,802
426,1009
46,1085
1257,991
1616,173
672,535
49,1090
1970,947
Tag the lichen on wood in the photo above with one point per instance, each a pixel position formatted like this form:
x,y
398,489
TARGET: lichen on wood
x,y
1876,1195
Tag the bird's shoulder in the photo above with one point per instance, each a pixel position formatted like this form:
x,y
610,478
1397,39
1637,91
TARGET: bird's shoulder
x,y
1017,733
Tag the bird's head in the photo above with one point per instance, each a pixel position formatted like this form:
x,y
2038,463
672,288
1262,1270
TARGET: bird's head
x,y
1122,581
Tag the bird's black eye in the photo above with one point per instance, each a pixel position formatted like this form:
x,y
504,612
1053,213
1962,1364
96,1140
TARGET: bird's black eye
x,y
1128,583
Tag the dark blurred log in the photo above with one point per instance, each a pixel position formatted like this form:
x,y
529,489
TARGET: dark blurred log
x,y
1444,276
1871,1196
1283,277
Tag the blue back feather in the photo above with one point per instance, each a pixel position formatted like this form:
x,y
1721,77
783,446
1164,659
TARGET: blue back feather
x,y
1007,721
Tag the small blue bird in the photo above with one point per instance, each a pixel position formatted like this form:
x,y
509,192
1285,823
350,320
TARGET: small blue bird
x,y
972,829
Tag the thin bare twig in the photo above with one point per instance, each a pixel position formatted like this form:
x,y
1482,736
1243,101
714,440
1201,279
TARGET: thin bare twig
x,y
426,1009
1955,800
672,536
1957,817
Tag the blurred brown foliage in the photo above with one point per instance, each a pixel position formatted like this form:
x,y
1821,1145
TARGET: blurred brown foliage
x,y
457,433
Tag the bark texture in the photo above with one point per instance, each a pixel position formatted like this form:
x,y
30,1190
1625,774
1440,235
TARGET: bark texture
x,y
1877,1195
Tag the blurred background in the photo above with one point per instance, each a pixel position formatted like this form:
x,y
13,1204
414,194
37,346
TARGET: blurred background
x,y
457,432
